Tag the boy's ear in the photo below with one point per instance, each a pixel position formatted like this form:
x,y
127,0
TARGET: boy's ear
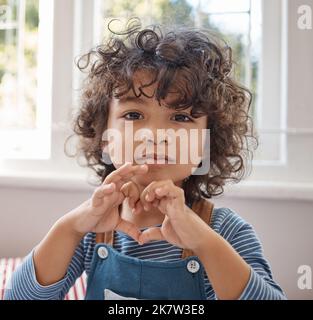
x,y
104,146
105,153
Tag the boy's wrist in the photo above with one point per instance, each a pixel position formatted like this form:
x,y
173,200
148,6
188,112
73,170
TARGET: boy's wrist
x,y
208,243
67,223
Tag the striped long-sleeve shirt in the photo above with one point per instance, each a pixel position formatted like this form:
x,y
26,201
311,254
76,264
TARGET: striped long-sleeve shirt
x,y
227,223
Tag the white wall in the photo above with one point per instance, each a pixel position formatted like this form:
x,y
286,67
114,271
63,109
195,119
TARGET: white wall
x,y
285,230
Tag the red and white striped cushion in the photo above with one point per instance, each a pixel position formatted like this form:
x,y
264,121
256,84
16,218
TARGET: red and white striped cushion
x,y
8,265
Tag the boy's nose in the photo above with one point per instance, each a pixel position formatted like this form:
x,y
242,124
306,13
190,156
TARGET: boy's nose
x,y
154,133
162,139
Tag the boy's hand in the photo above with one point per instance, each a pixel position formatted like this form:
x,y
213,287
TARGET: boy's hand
x,y
100,213
181,226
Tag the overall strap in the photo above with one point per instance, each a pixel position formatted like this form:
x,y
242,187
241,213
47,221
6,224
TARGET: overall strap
x,y
203,208
105,237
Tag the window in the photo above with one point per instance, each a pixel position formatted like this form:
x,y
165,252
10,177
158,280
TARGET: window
x,y
24,117
19,46
250,28
240,23
34,147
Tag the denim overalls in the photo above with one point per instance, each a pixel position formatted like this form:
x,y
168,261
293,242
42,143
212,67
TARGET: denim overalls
x,y
114,275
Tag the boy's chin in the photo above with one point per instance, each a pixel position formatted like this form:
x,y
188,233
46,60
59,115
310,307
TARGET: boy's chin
x,y
152,175
155,175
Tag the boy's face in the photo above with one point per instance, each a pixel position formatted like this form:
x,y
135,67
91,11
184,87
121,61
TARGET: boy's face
x,y
146,117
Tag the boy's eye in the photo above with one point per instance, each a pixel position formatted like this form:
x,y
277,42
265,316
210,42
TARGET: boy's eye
x,y
182,118
131,115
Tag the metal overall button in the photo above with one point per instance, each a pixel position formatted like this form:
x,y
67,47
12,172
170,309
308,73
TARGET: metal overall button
x,y
102,252
193,266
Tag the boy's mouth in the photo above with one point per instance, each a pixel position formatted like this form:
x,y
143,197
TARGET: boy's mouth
x,y
158,158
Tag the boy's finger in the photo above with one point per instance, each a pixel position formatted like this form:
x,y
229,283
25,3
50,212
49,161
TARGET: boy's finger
x,y
125,172
150,197
104,189
150,234
138,208
155,203
130,191
148,194
129,228
113,176
135,170
100,192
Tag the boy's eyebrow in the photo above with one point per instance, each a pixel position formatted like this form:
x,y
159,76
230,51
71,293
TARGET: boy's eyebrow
x,y
139,100
131,99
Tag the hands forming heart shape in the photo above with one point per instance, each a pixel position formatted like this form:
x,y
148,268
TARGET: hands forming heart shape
x,y
180,226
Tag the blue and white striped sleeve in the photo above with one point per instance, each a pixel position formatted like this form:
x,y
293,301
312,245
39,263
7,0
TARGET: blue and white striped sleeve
x,y
23,284
244,240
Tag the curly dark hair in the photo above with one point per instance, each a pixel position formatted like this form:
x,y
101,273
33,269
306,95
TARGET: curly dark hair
x,y
197,64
